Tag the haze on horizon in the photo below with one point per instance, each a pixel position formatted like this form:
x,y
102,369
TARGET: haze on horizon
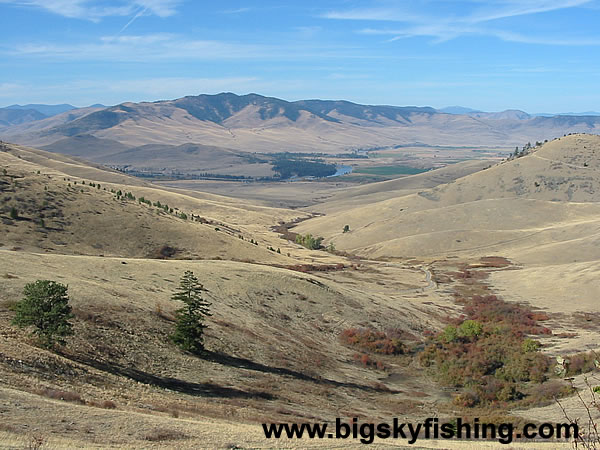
x,y
533,55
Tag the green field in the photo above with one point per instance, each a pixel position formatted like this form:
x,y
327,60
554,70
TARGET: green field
x,y
390,170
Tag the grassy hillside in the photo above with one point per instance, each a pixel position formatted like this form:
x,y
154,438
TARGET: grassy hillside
x,y
71,215
278,346
541,207
274,341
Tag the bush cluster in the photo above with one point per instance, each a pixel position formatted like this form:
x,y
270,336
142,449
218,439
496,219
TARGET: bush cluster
x,y
385,343
488,353
366,361
309,241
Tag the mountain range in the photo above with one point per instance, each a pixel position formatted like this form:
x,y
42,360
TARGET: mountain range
x,y
266,124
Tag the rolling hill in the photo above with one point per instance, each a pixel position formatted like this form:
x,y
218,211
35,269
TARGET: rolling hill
x,y
541,207
275,347
274,336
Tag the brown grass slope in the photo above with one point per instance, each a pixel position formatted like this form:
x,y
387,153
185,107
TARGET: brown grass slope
x,y
275,353
274,341
383,190
190,158
543,207
274,337
58,213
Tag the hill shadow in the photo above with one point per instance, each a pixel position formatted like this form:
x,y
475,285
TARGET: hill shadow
x,y
174,384
243,363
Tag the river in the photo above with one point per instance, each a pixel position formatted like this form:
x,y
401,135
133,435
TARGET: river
x,y
341,170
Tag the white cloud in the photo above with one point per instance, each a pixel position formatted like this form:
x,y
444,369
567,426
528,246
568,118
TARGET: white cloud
x,y
395,14
158,47
143,48
477,19
442,33
236,11
95,10
511,8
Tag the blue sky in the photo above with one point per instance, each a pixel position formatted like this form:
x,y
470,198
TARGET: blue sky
x,y
534,55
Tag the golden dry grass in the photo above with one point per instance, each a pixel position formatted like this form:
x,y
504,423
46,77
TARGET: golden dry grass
x,y
274,336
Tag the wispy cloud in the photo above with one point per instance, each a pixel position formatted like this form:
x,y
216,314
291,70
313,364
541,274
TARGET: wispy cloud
x,y
157,47
395,14
478,18
443,33
96,10
511,8
492,10
85,92
236,11
133,19
142,48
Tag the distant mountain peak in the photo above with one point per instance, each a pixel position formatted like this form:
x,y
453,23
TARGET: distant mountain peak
x,y
46,110
458,110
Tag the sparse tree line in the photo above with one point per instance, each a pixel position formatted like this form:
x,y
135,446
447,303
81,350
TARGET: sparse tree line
x,y
526,149
309,241
313,242
46,310
119,194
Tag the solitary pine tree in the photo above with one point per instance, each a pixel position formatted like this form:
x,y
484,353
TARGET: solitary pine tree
x,y
189,330
46,308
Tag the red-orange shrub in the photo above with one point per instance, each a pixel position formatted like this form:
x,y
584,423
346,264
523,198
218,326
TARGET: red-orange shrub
x,y
374,341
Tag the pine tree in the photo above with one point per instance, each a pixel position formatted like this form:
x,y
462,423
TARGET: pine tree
x,y
46,308
189,330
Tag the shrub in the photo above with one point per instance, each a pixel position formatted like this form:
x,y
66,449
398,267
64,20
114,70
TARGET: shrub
x,y
373,341
466,399
470,329
309,241
14,214
56,394
450,334
366,361
529,346
164,434
487,351
546,393
581,363
108,404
